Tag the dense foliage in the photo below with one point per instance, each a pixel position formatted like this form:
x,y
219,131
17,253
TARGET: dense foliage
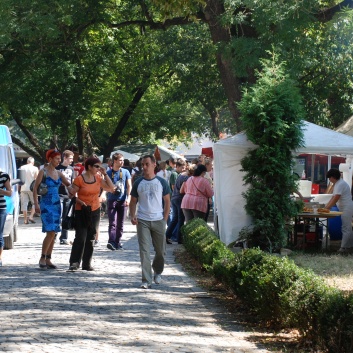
x,y
97,74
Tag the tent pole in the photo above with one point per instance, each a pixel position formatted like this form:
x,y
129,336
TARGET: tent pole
x,y
313,168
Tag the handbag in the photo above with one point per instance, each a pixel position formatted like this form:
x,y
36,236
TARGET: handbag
x,y
42,187
68,220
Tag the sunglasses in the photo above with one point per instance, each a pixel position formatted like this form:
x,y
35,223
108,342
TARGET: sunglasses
x,y
96,166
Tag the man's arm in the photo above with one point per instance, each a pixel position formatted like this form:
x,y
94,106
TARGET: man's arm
x,y
128,191
132,208
166,208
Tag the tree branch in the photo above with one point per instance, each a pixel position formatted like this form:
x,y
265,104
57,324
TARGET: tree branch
x,y
187,20
27,149
327,15
29,135
139,92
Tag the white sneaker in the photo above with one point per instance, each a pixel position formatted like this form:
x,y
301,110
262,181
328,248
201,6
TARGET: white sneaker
x,y
157,279
74,266
145,285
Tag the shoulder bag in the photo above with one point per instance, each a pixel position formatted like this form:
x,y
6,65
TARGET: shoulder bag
x,y
42,187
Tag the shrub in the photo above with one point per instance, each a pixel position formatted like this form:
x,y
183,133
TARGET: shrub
x,y
335,323
260,279
277,289
303,301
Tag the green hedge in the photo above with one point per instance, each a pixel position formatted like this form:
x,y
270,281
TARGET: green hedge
x,y
276,289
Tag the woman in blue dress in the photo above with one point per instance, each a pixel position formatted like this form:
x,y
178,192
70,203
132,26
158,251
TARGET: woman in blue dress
x,y
50,208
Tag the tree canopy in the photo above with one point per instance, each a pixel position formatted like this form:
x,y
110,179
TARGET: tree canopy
x,y
96,74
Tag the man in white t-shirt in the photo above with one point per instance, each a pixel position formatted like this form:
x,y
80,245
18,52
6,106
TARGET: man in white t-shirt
x,y
153,196
30,174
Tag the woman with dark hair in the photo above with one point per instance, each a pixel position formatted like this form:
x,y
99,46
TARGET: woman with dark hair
x,y
342,196
87,211
50,207
197,191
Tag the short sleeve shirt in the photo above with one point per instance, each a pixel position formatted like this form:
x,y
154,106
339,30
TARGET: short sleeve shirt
x,y
3,179
343,189
115,177
149,193
68,172
30,174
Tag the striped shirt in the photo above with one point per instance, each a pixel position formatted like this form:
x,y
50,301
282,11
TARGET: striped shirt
x,y
3,179
197,192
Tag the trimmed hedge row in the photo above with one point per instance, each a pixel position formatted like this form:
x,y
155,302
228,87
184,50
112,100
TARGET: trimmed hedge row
x,y
276,289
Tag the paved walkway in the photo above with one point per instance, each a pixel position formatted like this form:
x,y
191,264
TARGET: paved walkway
x,y
105,310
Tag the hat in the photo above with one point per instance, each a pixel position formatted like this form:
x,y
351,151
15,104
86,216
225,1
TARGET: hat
x,y
52,153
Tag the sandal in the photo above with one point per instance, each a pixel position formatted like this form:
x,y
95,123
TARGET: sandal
x,y
25,222
52,266
42,266
31,220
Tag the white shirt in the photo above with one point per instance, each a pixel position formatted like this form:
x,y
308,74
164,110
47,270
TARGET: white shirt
x,y
343,189
31,173
165,174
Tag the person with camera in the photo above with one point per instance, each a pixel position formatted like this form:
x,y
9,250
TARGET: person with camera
x,y
118,201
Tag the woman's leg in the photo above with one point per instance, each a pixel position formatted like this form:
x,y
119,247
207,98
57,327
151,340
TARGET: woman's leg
x,y
91,234
188,214
174,221
199,214
47,247
80,239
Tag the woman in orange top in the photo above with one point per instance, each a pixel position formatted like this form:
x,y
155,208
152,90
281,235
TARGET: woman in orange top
x,y
87,211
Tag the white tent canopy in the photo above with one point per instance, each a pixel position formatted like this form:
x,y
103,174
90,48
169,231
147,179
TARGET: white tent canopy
x,y
130,156
228,179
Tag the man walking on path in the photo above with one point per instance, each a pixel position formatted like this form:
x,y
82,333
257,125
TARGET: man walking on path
x,y
65,168
153,196
31,173
118,201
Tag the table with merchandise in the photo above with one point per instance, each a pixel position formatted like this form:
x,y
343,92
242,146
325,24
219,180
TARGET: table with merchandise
x,y
310,226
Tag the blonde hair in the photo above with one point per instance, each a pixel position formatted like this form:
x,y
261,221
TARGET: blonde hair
x,y
162,165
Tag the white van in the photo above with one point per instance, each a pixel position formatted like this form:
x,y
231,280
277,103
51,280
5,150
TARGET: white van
x,y
8,165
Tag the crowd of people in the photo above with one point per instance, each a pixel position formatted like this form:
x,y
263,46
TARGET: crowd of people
x,y
160,197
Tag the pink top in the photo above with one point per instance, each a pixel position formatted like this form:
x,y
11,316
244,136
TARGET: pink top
x,y
197,191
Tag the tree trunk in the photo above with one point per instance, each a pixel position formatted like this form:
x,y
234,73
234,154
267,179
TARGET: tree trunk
x,y
222,35
139,92
79,134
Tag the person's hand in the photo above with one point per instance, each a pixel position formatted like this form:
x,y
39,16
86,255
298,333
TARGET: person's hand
x,y
103,171
36,208
134,220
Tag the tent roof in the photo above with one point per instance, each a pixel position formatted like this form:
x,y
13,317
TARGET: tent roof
x,y
317,139
130,156
346,127
141,150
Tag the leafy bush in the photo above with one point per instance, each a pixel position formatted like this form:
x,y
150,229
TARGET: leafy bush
x,y
276,289
335,323
304,300
260,279
271,113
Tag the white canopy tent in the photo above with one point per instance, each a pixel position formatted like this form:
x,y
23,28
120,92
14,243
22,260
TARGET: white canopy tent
x,y
130,156
228,179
